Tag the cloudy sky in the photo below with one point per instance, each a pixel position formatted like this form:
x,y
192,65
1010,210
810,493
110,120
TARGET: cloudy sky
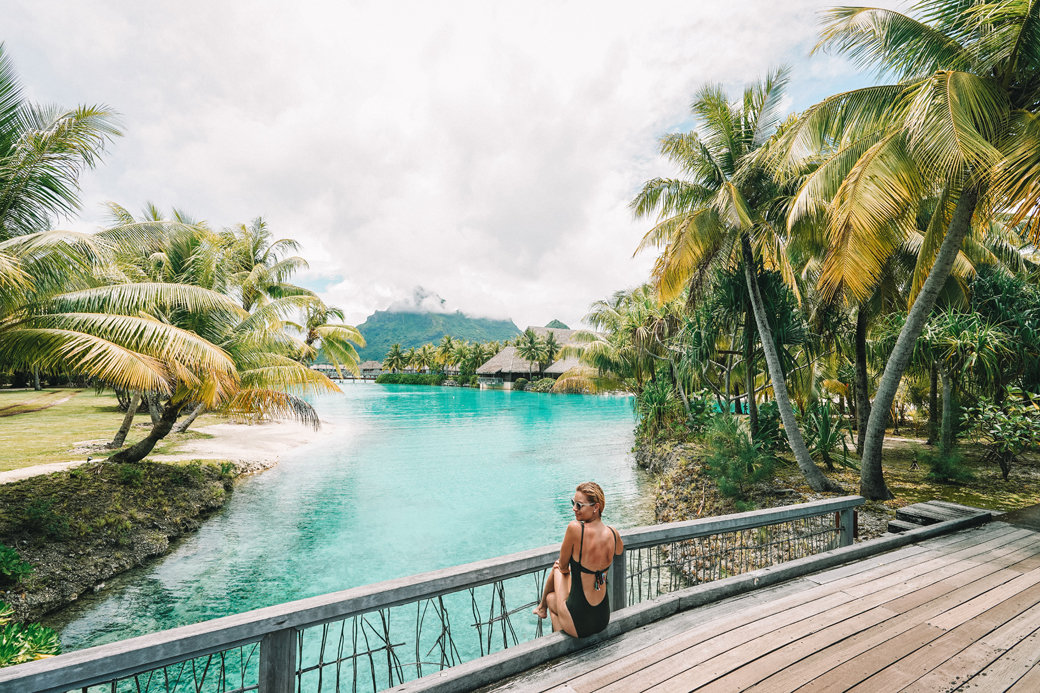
x,y
486,151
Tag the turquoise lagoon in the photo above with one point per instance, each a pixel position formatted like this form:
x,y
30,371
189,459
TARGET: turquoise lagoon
x,y
405,480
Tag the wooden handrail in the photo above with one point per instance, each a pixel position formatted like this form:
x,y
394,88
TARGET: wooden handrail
x,y
127,657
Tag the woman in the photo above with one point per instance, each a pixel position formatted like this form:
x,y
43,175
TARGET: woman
x,y
575,593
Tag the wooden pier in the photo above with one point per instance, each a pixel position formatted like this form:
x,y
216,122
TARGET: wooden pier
x,y
957,612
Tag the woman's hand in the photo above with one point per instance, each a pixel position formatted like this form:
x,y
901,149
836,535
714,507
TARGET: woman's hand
x,y
556,566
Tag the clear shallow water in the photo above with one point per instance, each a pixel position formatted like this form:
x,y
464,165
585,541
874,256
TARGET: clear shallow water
x,y
410,479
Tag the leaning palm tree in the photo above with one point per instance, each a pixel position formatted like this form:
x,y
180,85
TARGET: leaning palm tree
x,y
722,214
961,124
337,340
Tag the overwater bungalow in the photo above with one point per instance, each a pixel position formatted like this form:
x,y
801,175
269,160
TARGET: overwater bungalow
x,y
505,367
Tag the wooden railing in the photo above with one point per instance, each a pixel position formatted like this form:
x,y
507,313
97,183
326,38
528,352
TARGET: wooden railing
x,y
365,638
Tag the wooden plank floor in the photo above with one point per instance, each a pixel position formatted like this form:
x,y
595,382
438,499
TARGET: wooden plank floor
x,y
960,612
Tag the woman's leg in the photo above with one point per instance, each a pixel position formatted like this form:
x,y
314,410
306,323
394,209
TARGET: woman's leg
x,y
557,602
543,603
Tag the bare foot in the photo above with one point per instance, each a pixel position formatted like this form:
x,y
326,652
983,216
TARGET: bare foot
x,y
540,611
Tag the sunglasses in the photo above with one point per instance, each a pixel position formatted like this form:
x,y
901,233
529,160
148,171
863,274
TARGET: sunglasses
x,y
578,506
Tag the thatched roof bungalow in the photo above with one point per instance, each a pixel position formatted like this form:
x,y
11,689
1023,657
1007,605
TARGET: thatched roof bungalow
x,y
506,366
370,369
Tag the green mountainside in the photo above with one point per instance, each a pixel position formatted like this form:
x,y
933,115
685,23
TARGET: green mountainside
x,y
383,328
557,325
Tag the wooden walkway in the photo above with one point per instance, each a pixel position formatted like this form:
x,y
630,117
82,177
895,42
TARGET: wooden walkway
x,y
960,612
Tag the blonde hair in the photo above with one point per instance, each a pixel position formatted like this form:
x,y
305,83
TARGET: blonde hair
x,y
593,491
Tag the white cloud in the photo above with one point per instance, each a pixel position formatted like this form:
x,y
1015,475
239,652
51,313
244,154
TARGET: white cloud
x,y
486,151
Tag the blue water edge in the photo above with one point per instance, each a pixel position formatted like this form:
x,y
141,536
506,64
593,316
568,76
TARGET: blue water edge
x,y
408,479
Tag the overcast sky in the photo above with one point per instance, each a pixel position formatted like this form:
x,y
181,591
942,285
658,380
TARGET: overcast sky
x,y
486,151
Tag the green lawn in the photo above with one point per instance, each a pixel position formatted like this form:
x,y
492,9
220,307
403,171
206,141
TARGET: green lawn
x,y
49,435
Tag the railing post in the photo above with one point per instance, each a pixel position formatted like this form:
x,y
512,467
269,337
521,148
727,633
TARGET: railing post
x,y
846,530
618,586
278,662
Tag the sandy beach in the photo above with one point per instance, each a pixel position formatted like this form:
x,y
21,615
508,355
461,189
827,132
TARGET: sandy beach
x,y
254,447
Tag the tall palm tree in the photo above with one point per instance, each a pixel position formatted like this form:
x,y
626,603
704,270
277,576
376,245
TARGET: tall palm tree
x,y
446,352
960,124
395,360
259,264
531,347
337,340
425,357
42,152
723,214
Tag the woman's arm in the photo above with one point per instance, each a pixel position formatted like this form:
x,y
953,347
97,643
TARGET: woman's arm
x,y
570,540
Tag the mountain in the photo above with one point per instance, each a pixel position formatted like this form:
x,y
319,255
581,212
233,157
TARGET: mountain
x,y
557,325
413,329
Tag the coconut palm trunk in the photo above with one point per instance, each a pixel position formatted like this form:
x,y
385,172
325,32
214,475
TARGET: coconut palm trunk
x,y
933,404
190,418
749,372
946,436
140,450
872,481
862,393
817,480
128,421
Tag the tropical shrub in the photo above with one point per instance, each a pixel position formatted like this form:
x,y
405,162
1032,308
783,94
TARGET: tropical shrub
x,y
1007,430
542,385
411,378
823,432
520,384
769,433
12,567
734,460
24,642
658,406
702,411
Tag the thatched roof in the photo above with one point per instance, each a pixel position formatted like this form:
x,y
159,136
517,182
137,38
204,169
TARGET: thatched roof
x,y
563,337
370,366
561,366
507,361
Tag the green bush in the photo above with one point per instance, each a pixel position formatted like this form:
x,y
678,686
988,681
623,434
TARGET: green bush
x,y
824,433
520,384
24,642
733,459
658,407
702,410
945,467
12,567
542,385
411,378
1007,430
769,433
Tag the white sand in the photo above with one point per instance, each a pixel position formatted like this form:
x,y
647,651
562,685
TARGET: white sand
x,y
254,446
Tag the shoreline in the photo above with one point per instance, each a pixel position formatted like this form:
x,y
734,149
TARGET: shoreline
x,y
252,447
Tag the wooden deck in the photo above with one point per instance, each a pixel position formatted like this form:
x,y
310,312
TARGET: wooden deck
x,y
960,612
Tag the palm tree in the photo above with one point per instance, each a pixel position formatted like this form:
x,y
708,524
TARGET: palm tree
x,y
260,271
337,340
446,352
395,359
42,152
531,347
425,357
552,347
959,125
722,215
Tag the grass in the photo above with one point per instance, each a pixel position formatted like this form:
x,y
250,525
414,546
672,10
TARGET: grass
x,y
41,436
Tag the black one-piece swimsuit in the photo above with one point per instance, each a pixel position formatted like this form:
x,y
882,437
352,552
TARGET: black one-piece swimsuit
x,y
588,619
